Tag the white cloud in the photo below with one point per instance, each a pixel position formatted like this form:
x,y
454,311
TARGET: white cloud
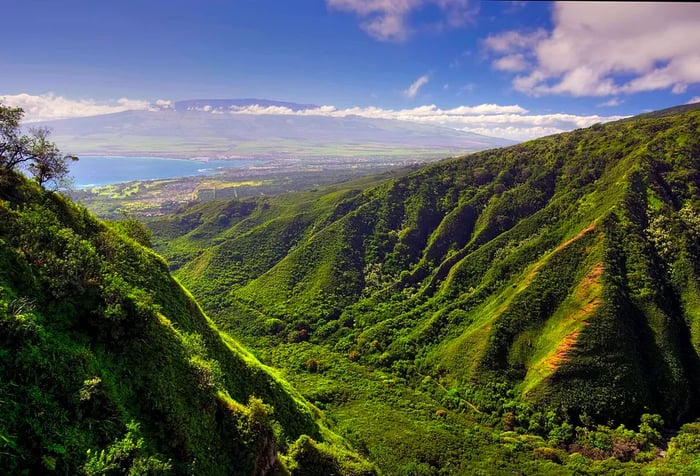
x,y
164,104
612,102
511,121
604,49
132,104
694,100
514,41
679,88
388,20
416,85
427,113
47,107
515,62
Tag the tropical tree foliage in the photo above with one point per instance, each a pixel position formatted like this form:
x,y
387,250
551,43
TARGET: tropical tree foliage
x,y
31,152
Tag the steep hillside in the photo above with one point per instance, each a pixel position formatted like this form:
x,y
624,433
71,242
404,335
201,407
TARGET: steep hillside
x,y
561,273
108,365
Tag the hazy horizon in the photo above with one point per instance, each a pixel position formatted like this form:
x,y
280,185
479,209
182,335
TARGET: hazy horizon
x,y
515,70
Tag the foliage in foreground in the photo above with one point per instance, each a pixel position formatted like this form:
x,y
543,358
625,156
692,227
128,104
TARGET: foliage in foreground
x,y
33,153
108,366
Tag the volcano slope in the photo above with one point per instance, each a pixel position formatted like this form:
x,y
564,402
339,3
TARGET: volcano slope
x,y
539,287
109,366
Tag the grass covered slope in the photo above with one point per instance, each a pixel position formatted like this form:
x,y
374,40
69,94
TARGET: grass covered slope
x,y
517,311
565,268
108,365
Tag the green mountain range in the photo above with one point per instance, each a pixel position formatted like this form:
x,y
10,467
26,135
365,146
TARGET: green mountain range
x,y
109,366
555,279
533,309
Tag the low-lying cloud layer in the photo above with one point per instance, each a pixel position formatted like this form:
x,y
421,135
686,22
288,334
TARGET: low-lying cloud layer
x,y
510,122
604,49
507,121
48,107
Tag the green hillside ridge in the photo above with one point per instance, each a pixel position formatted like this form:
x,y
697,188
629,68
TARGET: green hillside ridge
x,y
558,276
109,366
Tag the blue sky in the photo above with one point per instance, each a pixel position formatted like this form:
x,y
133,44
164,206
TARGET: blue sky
x,y
74,57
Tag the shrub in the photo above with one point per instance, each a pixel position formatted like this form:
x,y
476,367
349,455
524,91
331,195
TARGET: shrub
x,y
650,428
125,456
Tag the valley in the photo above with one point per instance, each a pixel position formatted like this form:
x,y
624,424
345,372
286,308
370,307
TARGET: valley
x,y
349,238
497,304
530,309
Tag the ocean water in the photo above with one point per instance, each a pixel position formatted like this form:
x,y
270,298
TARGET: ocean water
x,y
93,171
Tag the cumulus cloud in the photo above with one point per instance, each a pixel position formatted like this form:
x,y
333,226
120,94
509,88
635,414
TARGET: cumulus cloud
x,y
604,49
164,104
694,100
388,20
509,121
416,85
47,107
428,113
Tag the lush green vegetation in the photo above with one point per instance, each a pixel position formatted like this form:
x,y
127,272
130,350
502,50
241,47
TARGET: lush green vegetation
x,y
532,309
108,365
32,152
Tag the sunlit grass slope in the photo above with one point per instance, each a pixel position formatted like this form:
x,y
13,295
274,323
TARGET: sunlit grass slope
x,y
521,264
551,281
109,366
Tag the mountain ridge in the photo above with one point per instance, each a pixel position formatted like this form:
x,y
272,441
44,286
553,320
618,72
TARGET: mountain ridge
x,y
108,365
556,274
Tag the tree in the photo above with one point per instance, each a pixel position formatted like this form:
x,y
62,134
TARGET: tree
x,y
33,152
47,164
13,146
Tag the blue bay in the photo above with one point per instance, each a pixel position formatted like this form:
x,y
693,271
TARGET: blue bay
x,y
93,171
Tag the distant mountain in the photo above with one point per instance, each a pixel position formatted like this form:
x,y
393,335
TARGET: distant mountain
x,y
211,128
